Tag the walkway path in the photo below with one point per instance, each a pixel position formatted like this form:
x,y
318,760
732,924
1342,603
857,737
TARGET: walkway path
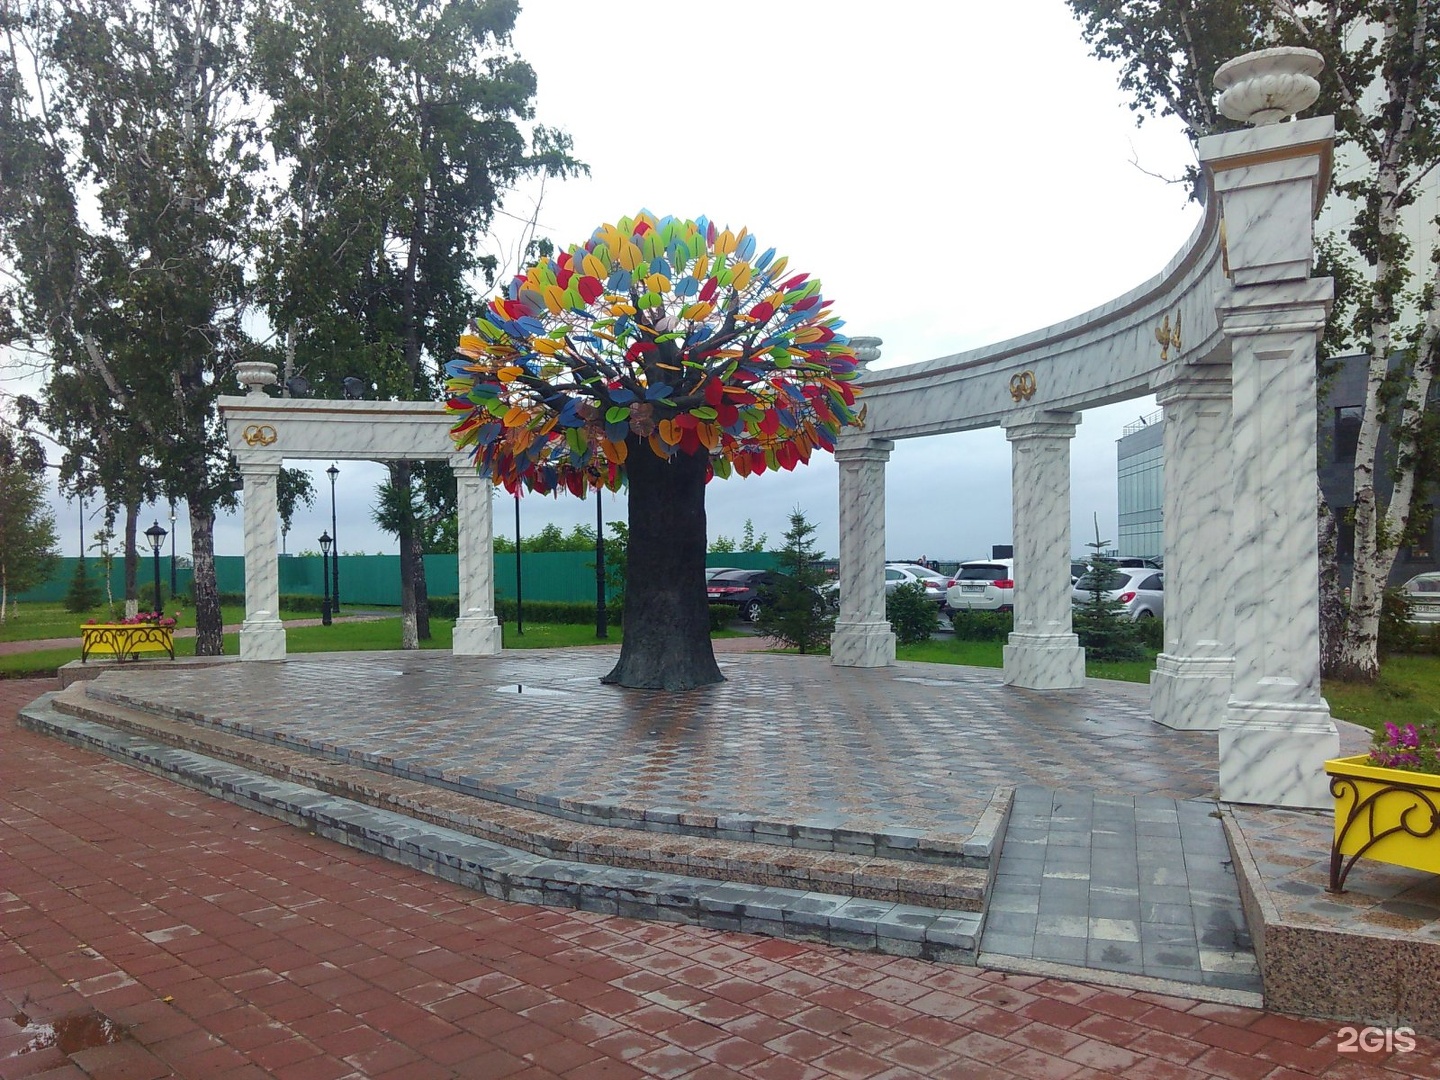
x,y
9,648
227,946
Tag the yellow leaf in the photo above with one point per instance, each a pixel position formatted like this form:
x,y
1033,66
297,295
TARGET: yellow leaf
x,y
725,243
548,346
507,374
670,432
742,275
701,268
471,344
658,283
554,299
615,451
709,435
701,309
516,417
629,256
594,267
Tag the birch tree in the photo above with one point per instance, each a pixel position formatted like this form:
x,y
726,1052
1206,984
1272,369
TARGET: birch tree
x,y
1382,83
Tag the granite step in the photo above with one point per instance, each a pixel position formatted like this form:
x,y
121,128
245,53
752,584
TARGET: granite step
x,y
936,930
975,849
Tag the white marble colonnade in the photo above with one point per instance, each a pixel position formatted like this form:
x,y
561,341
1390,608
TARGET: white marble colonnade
x,y
264,431
1236,318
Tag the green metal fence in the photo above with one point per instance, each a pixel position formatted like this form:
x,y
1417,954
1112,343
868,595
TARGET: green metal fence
x,y
374,580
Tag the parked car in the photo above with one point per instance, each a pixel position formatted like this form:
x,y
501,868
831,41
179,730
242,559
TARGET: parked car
x,y
711,571
1423,593
983,585
1140,588
897,574
747,589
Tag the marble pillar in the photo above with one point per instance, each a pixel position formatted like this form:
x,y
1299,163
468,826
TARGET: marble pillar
x,y
262,634
862,636
1190,686
1277,732
477,630
1043,652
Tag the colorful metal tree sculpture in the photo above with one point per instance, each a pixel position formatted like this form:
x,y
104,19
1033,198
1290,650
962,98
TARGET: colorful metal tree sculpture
x,y
661,353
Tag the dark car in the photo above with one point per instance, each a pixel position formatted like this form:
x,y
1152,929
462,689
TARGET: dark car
x,y
749,590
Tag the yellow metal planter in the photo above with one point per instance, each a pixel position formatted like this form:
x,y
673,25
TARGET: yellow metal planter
x,y
1391,815
125,641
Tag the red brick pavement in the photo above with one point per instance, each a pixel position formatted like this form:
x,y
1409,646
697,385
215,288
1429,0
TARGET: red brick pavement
x,y
228,946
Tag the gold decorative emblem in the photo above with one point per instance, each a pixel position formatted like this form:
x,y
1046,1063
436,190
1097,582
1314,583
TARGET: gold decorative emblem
x,y
1224,250
1022,386
1168,337
259,435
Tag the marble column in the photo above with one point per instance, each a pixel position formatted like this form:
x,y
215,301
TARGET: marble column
x,y
477,630
1043,652
262,634
1190,686
862,636
1277,732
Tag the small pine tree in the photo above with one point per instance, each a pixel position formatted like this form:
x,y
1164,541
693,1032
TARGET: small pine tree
x,y
83,594
1100,622
796,616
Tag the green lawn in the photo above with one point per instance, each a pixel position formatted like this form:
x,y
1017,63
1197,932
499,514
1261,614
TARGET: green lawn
x,y
34,622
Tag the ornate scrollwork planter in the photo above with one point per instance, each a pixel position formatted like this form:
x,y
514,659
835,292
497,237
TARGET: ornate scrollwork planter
x,y
125,641
1391,815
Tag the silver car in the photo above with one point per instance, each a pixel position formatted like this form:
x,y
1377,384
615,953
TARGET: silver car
x,y
1140,589
1423,594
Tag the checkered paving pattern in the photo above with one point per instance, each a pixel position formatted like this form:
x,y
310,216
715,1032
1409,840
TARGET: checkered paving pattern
x,y
231,947
1138,886
919,747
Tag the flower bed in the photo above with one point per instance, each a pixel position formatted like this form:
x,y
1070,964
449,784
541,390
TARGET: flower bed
x,y
1387,803
146,632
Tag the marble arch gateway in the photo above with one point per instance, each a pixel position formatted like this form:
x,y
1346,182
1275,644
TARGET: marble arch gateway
x,y
1225,337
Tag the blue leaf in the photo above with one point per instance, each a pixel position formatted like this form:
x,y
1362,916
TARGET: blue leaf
x,y
658,392
621,396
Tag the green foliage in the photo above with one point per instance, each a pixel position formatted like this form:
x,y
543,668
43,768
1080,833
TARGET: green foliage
x,y
795,615
27,527
722,615
912,616
1100,621
723,545
83,593
293,488
982,625
751,543
617,558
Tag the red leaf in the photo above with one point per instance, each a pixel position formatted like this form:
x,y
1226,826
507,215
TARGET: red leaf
x,y
590,289
707,291
714,393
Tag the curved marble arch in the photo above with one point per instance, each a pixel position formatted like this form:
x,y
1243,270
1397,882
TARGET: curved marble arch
x,y
1225,336
264,431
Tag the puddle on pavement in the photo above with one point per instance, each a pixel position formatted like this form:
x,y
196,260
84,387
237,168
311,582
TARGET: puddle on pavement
x,y
533,691
70,1034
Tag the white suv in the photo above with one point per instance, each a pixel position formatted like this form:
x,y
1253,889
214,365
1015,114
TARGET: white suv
x,y
983,585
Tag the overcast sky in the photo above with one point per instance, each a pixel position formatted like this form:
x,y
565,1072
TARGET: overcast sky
x,y
957,172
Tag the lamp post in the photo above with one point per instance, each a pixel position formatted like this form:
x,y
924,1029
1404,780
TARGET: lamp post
x,y
333,472
156,535
519,595
601,631
173,589
325,543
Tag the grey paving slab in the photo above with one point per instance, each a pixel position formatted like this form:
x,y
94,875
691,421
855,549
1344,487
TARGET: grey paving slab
x,y
1143,889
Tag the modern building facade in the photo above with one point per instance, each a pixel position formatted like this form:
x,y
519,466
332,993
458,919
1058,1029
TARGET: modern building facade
x,y
1140,474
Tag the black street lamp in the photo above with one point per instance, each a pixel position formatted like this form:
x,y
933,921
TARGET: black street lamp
x,y
173,589
519,593
601,631
325,543
333,472
156,535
